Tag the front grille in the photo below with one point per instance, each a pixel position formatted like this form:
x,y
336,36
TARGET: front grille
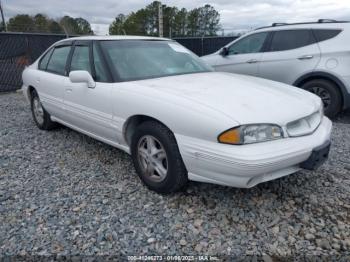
x,y
304,126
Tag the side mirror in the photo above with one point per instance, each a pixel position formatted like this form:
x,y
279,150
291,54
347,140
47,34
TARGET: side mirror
x,y
81,76
224,51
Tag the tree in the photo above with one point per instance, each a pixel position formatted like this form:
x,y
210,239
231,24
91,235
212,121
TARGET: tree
x,y
138,23
117,26
180,23
55,27
21,23
193,26
70,26
203,21
209,20
41,23
131,25
84,27
169,14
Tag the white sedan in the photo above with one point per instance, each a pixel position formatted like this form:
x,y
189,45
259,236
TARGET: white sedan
x,y
177,118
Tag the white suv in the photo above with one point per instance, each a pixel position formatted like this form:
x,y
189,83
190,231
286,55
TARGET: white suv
x,y
313,56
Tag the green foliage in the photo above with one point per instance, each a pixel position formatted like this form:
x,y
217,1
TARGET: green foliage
x,y
202,21
69,25
42,24
54,27
21,23
84,27
117,26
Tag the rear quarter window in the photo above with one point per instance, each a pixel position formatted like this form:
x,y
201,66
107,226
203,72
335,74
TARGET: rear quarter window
x,y
291,39
325,34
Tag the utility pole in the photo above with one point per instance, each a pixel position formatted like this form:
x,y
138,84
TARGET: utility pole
x,y
3,27
160,20
65,31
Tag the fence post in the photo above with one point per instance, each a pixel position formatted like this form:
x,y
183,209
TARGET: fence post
x,y
202,51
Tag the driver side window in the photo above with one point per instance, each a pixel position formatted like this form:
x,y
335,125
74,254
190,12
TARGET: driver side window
x,y
250,44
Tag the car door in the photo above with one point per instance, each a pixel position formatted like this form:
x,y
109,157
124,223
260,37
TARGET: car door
x,y
89,109
291,54
243,55
50,78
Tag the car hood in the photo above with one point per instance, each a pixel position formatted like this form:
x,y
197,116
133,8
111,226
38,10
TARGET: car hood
x,y
244,99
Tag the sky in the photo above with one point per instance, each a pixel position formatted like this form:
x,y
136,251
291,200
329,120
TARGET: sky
x,y
236,15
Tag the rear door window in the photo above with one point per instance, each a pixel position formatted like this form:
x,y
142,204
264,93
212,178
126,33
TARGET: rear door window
x,y
291,39
58,60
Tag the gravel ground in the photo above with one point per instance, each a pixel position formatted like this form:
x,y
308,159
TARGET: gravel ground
x,y
67,194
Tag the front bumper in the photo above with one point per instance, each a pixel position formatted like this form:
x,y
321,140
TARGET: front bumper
x,y
248,165
318,156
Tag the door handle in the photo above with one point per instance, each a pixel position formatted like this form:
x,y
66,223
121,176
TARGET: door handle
x,y
305,57
252,61
69,90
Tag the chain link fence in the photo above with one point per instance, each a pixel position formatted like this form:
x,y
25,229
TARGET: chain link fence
x,y
205,45
17,50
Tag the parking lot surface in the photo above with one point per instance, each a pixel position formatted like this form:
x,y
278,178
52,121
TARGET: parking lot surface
x,y
64,193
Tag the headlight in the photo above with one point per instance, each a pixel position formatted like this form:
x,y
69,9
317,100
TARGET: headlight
x,y
248,134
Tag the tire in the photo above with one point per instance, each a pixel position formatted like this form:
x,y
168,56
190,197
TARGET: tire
x,y
41,117
150,142
329,93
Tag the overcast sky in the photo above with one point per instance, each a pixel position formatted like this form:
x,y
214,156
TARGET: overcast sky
x,y
236,15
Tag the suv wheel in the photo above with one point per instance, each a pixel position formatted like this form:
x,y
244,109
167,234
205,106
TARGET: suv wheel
x,y
157,159
328,92
40,115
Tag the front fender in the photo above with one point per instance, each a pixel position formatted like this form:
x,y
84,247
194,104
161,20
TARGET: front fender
x,y
181,116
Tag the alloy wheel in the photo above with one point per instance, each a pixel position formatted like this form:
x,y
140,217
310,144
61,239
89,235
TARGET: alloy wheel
x,y
152,158
38,110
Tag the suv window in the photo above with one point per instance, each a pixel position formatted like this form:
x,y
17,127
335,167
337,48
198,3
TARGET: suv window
x,y
325,34
250,44
100,72
291,39
45,60
57,63
81,59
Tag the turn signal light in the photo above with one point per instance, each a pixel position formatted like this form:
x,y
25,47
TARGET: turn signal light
x,y
232,136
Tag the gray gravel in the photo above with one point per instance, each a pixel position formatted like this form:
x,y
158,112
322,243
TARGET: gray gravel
x,y
65,193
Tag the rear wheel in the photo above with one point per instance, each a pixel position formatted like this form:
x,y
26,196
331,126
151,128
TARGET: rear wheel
x,y
41,117
328,92
157,158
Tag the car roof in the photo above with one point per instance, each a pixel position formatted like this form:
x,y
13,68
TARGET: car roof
x,y
278,27
115,37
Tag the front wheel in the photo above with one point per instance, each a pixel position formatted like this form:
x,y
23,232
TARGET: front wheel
x,y
157,159
329,93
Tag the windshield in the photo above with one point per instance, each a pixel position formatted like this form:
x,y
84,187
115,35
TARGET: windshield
x,y
139,59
